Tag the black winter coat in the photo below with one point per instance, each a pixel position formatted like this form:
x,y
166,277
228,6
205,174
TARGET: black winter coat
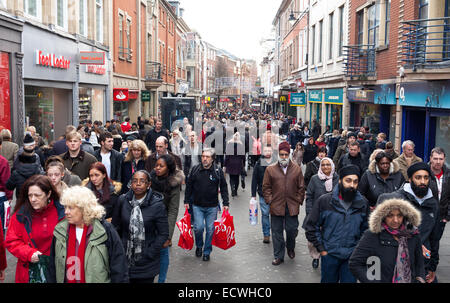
x,y
151,137
310,153
385,247
444,211
127,173
258,177
116,163
315,190
156,231
234,159
25,167
360,161
372,185
311,169
114,192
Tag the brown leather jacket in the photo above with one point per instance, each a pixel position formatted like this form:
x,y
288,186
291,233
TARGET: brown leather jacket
x,y
280,189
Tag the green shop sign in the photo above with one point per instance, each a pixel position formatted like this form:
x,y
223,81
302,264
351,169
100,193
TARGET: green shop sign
x,y
145,96
315,96
297,99
334,96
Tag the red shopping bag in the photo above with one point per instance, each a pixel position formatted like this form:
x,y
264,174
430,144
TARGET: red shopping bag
x,y
224,232
186,238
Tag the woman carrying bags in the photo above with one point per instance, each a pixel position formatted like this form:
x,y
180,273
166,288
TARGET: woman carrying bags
x,y
30,231
85,248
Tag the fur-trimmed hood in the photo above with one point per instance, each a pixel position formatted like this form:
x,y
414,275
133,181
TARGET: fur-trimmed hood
x,y
177,178
410,213
392,170
117,185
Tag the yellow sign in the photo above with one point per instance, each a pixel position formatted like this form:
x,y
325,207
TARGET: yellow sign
x,y
283,99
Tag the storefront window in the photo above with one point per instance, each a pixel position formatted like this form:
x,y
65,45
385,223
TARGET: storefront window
x,y
120,110
85,105
443,136
39,111
370,116
5,114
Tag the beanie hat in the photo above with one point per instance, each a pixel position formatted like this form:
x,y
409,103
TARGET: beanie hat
x,y
349,170
418,166
28,140
284,146
351,134
131,138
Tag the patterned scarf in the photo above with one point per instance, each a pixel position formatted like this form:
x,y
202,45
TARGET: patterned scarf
x,y
322,176
136,234
402,270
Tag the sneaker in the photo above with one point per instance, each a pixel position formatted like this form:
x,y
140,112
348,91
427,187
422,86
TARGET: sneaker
x,y
266,239
198,252
205,257
315,263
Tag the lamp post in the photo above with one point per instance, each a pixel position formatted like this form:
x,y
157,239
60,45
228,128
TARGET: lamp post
x,y
292,19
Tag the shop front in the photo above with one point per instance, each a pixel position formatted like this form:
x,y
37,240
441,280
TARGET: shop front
x,y
11,82
50,82
315,105
120,103
333,101
425,115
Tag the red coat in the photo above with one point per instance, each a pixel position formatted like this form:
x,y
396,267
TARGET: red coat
x,y
20,241
2,249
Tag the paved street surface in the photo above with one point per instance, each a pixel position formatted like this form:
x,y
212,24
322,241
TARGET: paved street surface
x,y
249,261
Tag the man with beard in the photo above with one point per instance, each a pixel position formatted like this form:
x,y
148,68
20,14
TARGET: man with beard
x,y
284,190
419,194
335,225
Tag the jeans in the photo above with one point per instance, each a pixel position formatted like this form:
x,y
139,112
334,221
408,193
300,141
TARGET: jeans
x,y
163,265
2,213
204,217
279,224
264,209
335,270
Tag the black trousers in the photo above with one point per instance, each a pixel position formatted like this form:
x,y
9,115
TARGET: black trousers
x,y
278,225
234,182
142,281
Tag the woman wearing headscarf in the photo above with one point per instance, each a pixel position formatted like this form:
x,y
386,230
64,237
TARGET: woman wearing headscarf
x,y
85,248
392,243
167,179
321,183
141,222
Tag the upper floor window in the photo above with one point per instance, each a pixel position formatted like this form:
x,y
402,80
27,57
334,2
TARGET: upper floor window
x,y
83,17
61,13
388,21
99,20
341,29
360,26
374,24
423,9
33,8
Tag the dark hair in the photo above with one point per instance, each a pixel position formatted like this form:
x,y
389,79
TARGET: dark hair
x,y
53,159
104,136
322,149
438,150
170,162
355,143
41,181
102,199
127,119
382,155
149,178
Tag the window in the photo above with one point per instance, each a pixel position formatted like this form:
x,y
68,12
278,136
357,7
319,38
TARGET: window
x,y
61,13
388,22
33,8
341,29
83,18
360,24
374,23
2,3
320,40
313,43
121,50
128,32
99,20
423,9
330,36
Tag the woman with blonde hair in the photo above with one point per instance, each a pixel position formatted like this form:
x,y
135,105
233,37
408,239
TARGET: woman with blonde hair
x,y
85,248
134,161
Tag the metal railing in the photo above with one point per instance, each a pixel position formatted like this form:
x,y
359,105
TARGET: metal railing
x,y
359,61
125,53
153,71
426,43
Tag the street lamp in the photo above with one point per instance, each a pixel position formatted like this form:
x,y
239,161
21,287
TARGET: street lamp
x,y
292,19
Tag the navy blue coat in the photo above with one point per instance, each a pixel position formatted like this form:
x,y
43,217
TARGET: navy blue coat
x,y
329,227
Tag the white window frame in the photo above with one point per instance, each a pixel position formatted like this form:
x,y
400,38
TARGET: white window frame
x,y
38,16
99,28
3,4
85,21
64,15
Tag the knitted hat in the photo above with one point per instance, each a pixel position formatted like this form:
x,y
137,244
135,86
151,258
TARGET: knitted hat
x,y
351,134
418,166
131,138
28,140
349,170
284,146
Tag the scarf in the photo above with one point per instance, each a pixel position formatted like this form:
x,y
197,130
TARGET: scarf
x,y
75,256
136,233
328,179
402,270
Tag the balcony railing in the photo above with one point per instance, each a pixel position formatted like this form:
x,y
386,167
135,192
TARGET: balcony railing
x,y
125,53
153,71
359,61
426,43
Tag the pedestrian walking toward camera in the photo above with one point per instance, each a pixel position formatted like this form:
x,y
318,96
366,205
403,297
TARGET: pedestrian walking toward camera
x,y
393,241
85,248
312,167
321,183
111,158
336,223
202,190
30,231
407,158
284,191
418,193
134,160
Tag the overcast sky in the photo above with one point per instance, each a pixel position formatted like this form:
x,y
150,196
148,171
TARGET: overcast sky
x,y
234,25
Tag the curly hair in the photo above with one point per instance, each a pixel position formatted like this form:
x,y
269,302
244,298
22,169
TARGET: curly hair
x,y
137,144
85,200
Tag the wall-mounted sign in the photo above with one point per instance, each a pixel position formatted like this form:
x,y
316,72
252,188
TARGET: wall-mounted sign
x,y
297,99
95,69
315,96
145,96
360,95
283,98
51,60
334,96
433,94
120,94
97,58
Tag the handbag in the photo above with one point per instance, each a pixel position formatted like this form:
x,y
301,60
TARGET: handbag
x,y
224,234
186,240
37,271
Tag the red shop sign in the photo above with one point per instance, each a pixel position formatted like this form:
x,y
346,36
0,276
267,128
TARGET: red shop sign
x,y
120,94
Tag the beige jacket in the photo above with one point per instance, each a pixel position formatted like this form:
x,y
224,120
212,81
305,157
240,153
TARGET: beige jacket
x,y
403,164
